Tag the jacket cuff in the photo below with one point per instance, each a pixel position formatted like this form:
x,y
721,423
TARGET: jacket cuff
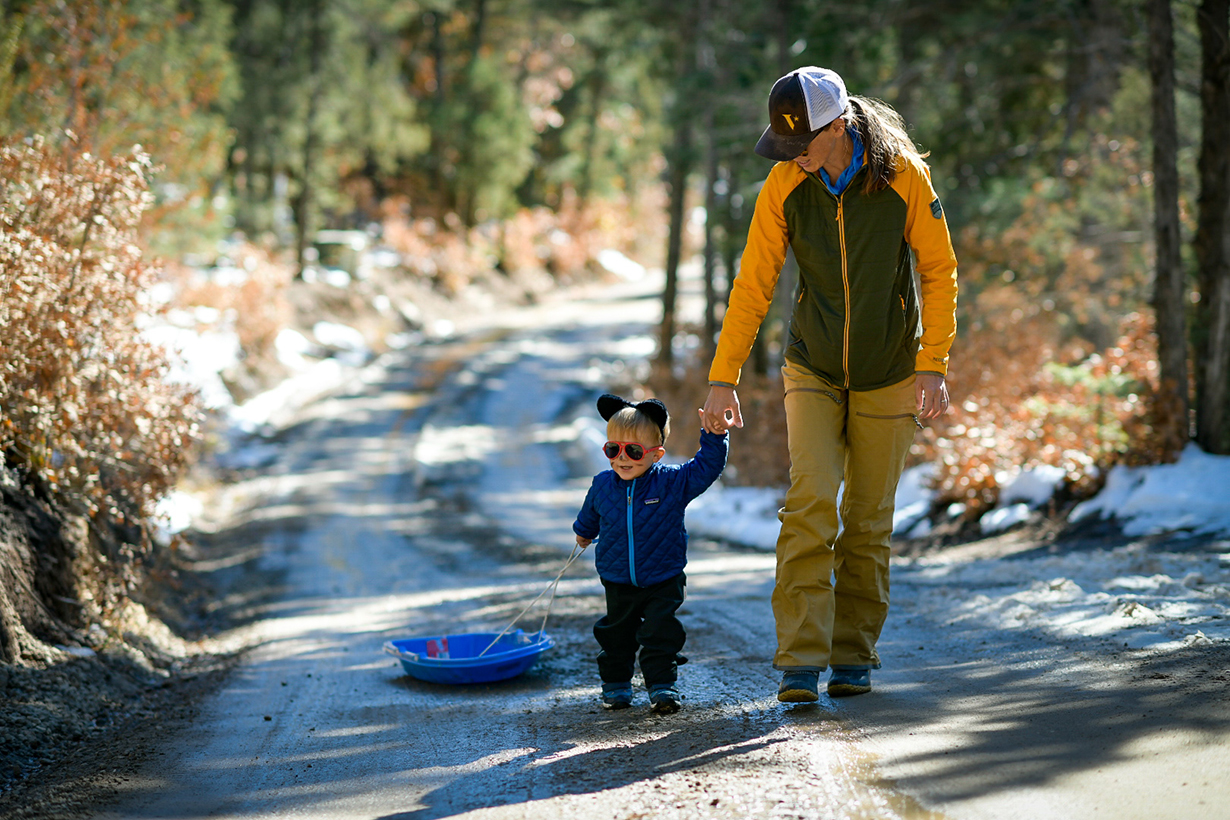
x,y
926,362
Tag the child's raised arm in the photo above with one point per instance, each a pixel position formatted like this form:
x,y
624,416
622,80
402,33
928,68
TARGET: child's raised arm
x,y
703,468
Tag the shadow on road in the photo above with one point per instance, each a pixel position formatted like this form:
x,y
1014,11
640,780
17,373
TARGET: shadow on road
x,y
581,750
1001,719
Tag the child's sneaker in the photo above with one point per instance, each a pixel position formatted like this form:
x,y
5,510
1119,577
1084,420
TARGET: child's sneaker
x,y
844,682
799,687
616,695
664,699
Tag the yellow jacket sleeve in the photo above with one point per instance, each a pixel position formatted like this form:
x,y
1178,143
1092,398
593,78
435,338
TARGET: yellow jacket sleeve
x,y
926,231
752,291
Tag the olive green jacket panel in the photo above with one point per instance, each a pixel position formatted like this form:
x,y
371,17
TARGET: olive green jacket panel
x,y
857,322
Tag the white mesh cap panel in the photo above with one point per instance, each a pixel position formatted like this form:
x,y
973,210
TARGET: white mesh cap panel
x,y
825,93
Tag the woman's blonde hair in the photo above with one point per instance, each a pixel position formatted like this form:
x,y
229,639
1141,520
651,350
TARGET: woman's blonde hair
x,y
632,423
885,141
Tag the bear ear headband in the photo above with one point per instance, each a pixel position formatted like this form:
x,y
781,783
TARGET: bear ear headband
x,y
654,410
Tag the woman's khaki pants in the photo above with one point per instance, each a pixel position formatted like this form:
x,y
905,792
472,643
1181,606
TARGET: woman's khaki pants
x,y
831,596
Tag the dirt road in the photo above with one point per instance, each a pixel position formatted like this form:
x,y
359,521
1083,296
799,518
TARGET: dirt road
x,y
436,495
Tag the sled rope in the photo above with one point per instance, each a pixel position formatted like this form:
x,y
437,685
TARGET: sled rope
x,y
551,587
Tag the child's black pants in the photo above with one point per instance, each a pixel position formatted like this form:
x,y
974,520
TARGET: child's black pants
x,y
641,618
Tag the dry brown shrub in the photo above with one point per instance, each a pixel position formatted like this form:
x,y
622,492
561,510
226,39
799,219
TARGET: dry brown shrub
x,y
84,403
563,243
437,253
1021,399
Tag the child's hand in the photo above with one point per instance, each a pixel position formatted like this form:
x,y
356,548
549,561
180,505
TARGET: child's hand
x,y
715,430
584,542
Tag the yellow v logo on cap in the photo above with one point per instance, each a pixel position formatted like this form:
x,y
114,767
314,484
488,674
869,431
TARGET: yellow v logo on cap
x,y
790,120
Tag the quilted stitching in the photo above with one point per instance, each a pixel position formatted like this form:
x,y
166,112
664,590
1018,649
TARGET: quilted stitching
x,y
660,496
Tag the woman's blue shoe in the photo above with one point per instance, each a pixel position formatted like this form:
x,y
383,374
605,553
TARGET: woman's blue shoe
x,y
844,682
616,695
799,687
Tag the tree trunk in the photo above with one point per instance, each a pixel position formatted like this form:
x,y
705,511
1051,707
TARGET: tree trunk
x,y
679,167
305,203
480,29
732,229
10,643
597,94
711,251
1213,231
786,34
442,190
38,575
1169,302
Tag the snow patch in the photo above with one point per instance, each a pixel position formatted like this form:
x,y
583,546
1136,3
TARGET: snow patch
x,y
175,513
744,515
349,344
198,359
1033,487
1190,494
1002,518
615,262
449,445
913,501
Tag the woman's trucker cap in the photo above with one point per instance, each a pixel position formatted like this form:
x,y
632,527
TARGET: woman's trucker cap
x,y
800,104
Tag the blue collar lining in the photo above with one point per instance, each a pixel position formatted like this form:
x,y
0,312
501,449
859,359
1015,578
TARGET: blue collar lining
x,y
856,163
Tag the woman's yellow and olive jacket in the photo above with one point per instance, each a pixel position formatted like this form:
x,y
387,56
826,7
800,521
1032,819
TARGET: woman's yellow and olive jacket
x,y
857,321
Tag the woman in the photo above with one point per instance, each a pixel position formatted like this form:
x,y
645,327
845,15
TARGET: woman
x,y
865,359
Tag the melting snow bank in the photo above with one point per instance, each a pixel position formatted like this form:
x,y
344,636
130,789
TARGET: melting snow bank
x,y
1191,494
1134,598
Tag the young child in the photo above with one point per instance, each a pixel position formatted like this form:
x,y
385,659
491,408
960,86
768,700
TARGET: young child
x,y
635,511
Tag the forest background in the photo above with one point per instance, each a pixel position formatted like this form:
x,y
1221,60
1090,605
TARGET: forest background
x,y
1079,148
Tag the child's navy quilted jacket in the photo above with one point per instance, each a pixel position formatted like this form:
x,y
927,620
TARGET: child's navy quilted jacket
x,y
639,523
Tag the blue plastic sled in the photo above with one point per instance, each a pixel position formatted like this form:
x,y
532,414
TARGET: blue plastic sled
x,y
456,659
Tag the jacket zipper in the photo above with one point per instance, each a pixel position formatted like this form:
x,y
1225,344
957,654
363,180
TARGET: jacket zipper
x,y
845,286
631,542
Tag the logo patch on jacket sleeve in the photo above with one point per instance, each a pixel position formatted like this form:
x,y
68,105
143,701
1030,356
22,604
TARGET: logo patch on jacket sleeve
x,y
936,210
652,500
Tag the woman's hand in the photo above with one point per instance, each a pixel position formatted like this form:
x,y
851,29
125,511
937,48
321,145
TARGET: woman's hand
x,y
931,394
721,410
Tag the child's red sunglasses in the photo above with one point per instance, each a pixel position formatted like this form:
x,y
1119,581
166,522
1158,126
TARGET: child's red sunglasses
x,y
634,450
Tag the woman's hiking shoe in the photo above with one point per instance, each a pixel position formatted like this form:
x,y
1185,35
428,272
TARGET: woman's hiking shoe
x,y
664,699
616,695
799,687
844,682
